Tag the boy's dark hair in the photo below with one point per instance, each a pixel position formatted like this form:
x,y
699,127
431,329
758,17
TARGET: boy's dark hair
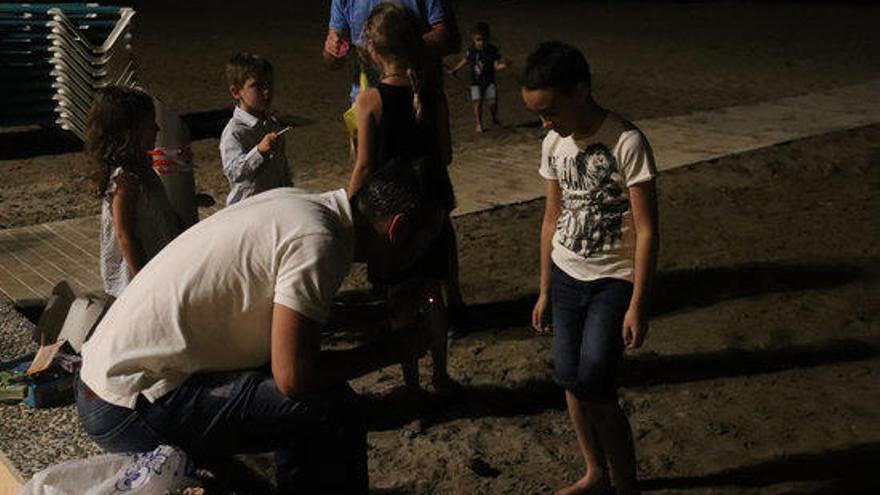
x,y
410,185
246,65
556,65
480,28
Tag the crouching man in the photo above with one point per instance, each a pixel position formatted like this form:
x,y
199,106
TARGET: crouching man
x,y
215,345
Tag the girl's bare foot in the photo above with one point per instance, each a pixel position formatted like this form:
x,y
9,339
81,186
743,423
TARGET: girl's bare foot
x,y
478,129
593,483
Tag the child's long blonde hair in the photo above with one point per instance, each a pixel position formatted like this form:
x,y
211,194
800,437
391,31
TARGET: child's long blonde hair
x,y
394,33
115,129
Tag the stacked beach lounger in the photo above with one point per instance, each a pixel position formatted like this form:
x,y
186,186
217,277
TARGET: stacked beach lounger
x,y
54,57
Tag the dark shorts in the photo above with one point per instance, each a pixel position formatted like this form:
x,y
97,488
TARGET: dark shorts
x,y
587,333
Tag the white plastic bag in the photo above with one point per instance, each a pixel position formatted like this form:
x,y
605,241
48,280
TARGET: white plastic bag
x,y
156,472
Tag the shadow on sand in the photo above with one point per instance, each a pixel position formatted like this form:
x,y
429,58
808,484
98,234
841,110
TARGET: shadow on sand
x,y
532,397
37,141
674,291
678,291
851,471
682,290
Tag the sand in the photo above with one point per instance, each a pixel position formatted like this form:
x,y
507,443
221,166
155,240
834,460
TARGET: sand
x,y
760,371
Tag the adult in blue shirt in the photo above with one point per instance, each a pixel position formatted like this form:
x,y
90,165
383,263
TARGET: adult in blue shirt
x,y
347,19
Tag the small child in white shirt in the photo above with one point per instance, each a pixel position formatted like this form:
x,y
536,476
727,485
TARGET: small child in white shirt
x,y
251,146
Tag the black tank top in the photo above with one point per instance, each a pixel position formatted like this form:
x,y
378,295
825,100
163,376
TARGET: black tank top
x,y
398,133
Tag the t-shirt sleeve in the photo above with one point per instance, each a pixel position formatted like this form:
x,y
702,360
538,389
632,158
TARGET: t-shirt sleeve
x,y
310,272
339,15
435,11
471,54
547,169
637,158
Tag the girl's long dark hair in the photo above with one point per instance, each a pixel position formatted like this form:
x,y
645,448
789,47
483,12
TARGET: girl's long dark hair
x,y
115,127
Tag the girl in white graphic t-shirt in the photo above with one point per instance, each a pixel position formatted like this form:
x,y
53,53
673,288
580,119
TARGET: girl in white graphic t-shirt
x,y
137,220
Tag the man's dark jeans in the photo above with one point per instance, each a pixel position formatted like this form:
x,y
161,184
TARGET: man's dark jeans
x,y
319,440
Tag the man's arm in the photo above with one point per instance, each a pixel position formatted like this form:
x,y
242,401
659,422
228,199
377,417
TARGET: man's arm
x,y
338,41
299,366
296,345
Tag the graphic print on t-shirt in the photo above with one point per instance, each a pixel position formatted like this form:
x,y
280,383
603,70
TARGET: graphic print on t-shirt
x,y
483,64
593,201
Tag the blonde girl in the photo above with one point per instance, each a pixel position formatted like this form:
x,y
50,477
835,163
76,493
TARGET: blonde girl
x,y
402,116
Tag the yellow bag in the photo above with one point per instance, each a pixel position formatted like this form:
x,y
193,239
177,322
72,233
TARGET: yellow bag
x,y
350,115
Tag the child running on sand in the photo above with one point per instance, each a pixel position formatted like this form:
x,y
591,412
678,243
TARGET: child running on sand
x,y
252,144
399,118
137,220
484,59
599,244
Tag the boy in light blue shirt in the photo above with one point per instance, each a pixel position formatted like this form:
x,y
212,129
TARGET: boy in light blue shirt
x,y
252,144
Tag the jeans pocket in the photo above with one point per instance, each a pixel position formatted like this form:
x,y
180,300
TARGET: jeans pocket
x,y
93,413
131,434
112,430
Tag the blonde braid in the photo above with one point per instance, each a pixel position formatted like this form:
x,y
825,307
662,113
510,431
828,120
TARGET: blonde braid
x,y
416,89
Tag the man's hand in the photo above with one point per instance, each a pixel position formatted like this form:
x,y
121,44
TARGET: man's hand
x,y
267,143
540,320
635,327
336,45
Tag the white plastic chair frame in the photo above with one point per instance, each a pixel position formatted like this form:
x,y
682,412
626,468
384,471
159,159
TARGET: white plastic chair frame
x,y
66,28
62,43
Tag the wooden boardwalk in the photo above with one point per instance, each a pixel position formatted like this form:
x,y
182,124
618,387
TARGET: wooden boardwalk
x,y
34,258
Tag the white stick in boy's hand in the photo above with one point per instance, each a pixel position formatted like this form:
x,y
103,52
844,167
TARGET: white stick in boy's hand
x,y
282,131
